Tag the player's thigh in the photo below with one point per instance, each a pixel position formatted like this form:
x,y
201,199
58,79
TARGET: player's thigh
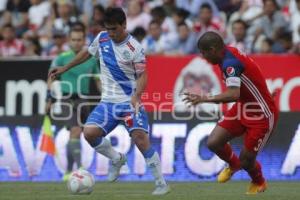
x,y
228,127
101,118
137,121
255,138
218,138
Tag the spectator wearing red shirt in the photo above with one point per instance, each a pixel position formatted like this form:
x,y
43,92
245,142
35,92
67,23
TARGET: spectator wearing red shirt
x,y
10,45
207,22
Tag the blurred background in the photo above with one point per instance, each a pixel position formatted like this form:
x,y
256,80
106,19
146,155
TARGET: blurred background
x,y
34,32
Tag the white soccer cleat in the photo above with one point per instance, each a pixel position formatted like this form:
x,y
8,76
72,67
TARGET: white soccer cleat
x,y
114,170
161,189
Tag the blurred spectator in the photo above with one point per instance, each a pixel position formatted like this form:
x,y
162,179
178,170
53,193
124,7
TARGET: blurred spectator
x,y
229,6
193,6
95,28
155,42
33,47
187,40
248,11
271,22
159,15
295,19
17,15
10,46
169,6
38,14
181,16
238,38
66,16
139,33
59,44
135,15
98,13
266,46
96,24
206,22
283,44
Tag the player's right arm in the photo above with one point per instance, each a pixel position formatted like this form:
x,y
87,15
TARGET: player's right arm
x,y
82,56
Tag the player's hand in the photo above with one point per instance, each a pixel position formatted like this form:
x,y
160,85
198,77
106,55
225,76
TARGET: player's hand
x,y
193,99
135,101
54,73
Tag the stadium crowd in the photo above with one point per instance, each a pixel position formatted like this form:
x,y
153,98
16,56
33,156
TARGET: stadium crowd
x,y
39,28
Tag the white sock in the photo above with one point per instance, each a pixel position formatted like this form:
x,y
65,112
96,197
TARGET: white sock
x,y
107,150
154,165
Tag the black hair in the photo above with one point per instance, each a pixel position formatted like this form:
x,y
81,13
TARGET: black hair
x,y
154,22
274,2
100,8
269,41
239,21
206,5
114,16
210,39
139,33
182,13
159,12
10,26
77,26
182,24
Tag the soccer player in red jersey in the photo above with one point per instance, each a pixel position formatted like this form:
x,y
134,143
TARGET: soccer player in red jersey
x,y
253,115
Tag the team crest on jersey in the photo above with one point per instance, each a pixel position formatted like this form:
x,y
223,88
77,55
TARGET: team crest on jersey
x,y
230,71
126,55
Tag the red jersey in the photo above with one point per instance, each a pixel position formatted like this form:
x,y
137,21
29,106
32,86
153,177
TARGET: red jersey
x,y
241,71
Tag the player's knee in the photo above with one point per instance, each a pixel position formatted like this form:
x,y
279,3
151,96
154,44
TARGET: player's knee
x,y
140,140
212,144
75,132
89,134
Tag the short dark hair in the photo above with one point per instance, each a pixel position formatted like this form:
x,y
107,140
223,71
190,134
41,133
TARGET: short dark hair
x,y
274,2
159,12
77,29
183,24
8,25
239,21
206,5
100,8
114,16
78,25
210,39
182,13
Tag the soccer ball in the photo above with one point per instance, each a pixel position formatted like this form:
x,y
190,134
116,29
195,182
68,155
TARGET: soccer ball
x,y
81,182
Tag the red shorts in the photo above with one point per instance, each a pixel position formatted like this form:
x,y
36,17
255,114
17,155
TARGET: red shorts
x,y
257,129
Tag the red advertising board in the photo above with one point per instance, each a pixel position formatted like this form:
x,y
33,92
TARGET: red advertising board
x,y
169,76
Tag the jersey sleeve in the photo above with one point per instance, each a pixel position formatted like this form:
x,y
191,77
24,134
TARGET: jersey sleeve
x,y
139,61
232,70
94,47
58,61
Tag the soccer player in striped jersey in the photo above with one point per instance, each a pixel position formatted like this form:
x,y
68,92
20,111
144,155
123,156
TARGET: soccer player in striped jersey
x,y
123,78
253,116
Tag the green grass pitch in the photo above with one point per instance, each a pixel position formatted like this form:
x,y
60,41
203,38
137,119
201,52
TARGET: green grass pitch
x,y
141,191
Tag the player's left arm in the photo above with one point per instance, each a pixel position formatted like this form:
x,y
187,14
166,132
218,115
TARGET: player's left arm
x,y
232,71
139,64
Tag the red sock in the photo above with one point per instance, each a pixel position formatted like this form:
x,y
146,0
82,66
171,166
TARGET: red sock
x,y
256,174
229,156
